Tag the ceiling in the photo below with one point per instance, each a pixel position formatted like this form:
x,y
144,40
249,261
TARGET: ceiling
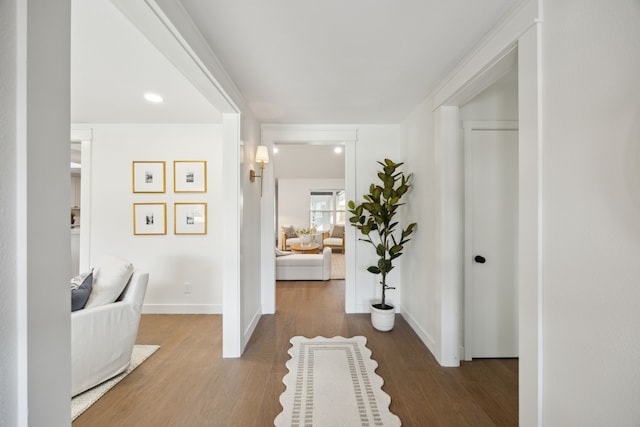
x,y
341,61
113,65
308,161
294,61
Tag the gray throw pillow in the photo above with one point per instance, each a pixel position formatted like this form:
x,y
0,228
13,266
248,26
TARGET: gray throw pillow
x,y
80,290
337,231
290,232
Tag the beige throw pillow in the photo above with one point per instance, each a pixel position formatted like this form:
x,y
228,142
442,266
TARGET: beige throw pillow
x,y
109,279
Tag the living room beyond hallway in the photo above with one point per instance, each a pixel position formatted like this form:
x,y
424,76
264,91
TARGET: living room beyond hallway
x,y
188,383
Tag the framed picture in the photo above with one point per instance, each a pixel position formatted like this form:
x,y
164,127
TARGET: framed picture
x,y
190,218
190,176
149,218
148,177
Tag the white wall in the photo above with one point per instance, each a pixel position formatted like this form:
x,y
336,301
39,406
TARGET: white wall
x,y
34,213
591,213
251,207
8,217
375,143
293,200
498,102
170,259
421,297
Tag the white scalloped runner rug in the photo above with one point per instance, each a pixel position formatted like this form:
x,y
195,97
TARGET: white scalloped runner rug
x,y
332,382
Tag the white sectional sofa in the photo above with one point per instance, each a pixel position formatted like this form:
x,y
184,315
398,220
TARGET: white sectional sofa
x,y
304,266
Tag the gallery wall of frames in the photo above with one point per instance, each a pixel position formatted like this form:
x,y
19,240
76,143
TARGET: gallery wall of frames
x,y
149,177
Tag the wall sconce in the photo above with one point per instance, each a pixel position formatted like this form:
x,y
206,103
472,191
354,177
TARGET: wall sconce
x,y
262,157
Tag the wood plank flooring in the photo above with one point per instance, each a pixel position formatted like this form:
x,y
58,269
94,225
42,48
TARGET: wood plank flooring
x,y
187,383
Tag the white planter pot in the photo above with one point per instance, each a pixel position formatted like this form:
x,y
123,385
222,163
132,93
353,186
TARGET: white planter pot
x,y
383,320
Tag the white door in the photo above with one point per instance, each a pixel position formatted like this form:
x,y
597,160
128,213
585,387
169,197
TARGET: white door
x,y
491,243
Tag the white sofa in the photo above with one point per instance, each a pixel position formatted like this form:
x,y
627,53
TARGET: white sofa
x,y
304,266
102,337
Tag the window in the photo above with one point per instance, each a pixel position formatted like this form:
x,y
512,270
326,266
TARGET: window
x,y
327,207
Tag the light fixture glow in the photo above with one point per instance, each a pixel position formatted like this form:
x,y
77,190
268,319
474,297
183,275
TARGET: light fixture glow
x,y
262,157
153,97
275,150
262,154
337,150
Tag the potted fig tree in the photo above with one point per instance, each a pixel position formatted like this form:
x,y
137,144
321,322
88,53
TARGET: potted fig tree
x,y
375,219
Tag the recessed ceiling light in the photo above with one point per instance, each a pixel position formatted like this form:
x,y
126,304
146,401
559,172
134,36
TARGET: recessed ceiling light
x,y
153,97
338,150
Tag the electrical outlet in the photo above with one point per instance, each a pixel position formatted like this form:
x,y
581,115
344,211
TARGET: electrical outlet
x,y
187,287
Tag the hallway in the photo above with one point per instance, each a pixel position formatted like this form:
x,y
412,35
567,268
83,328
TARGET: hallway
x,y
187,383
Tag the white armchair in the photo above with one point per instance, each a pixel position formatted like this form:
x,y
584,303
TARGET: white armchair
x,y
103,336
333,239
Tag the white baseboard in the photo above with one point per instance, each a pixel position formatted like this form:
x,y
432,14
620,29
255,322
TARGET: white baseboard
x,y
182,309
250,329
362,308
422,334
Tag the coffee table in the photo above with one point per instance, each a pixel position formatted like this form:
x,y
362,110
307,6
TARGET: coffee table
x,y
312,248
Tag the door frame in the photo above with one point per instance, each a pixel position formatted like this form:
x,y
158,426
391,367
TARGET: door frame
x,y
317,134
469,127
522,31
84,136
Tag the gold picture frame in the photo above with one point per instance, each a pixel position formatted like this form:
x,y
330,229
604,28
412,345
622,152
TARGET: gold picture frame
x,y
149,219
190,176
148,176
190,218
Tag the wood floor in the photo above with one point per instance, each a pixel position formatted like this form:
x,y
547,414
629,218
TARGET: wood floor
x,y
187,383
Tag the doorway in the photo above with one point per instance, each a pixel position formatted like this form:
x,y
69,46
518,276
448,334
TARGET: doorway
x,y
491,239
273,135
76,197
309,194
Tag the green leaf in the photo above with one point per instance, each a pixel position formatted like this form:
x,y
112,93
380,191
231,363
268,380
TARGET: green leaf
x,y
373,269
395,249
351,204
408,230
380,250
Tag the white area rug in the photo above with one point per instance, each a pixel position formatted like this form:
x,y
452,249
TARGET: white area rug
x,y
337,266
332,382
83,401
